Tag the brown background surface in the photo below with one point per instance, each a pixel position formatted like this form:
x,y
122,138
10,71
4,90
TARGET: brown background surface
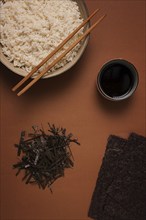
x,y
71,101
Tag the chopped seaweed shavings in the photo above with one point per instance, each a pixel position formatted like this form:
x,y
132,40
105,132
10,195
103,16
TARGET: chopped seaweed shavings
x,y
44,156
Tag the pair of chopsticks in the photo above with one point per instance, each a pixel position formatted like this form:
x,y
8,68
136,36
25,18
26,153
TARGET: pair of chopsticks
x,y
54,52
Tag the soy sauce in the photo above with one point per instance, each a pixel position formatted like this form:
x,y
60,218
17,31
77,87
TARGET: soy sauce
x,y
116,80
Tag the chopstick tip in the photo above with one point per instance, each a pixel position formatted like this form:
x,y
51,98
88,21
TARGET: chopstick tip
x,y
13,89
18,94
98,9
102,17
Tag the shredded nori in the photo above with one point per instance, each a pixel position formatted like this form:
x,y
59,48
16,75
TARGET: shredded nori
x,y
44,156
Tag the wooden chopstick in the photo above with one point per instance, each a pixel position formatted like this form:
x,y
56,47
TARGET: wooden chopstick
x,y
53,52
60,57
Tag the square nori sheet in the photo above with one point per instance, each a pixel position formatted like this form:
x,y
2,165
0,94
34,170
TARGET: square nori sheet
x,y
120,191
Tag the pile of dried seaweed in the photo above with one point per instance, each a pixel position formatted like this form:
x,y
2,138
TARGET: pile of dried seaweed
x,y
44,156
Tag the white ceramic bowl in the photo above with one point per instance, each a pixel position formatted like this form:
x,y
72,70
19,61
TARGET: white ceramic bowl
x,y
19,71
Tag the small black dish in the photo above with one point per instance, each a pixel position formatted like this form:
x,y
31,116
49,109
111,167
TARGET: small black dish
x,y
117,80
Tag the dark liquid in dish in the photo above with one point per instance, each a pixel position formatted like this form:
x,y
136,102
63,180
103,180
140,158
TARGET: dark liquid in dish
x,y
116,80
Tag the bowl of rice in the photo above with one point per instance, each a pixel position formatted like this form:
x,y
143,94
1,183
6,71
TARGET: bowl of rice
x,y
30,30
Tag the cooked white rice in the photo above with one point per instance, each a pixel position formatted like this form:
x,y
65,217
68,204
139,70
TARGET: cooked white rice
x,y
30,30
